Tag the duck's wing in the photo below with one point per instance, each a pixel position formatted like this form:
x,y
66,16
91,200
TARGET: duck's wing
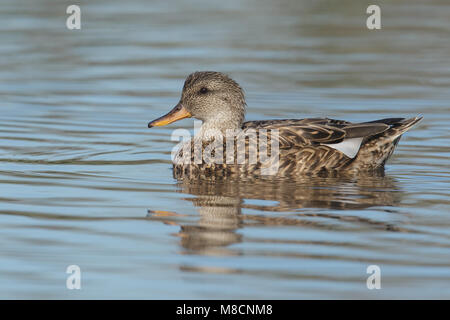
x,y
312,131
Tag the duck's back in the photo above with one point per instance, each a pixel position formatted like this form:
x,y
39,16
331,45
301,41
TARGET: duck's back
x,y
322,144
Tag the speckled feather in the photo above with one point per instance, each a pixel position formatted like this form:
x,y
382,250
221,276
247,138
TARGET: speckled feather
x,y
302,148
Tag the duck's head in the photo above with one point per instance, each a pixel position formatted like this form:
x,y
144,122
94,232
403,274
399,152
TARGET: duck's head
x,y
211,97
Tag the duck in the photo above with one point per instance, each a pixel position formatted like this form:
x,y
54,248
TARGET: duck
x,y
291,147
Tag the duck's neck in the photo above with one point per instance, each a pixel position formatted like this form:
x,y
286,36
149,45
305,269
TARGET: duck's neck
x,y
210,129
220,123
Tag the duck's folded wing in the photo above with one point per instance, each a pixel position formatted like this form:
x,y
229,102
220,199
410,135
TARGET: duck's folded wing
x,y
340,135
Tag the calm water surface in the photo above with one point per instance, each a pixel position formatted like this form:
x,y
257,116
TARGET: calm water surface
x,y
84,182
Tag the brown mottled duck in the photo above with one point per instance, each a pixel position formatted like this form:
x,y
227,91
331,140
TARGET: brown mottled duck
x,y
296,146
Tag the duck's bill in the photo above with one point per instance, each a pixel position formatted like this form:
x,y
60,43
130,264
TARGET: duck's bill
x,y
177,113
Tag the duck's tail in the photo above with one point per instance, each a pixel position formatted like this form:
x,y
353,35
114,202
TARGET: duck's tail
x,y
402,125
377,149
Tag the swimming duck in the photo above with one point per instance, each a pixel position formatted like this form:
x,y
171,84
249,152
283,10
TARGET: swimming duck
x,y
296,146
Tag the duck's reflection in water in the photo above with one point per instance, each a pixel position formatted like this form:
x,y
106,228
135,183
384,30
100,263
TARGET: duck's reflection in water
x,y
220,205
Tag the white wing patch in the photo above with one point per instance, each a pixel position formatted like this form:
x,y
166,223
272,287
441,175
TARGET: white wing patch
x,y
349,147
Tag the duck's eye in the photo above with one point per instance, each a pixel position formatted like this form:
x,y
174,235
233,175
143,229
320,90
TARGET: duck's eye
x,y
203,90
